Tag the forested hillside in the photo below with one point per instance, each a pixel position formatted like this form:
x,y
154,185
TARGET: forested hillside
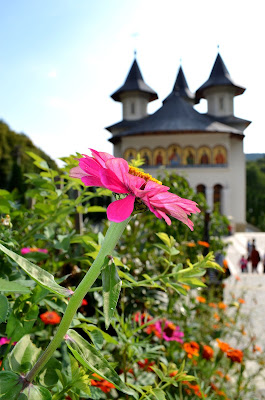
x,y
14,161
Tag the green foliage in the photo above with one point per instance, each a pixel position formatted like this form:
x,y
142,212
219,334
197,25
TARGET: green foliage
x,y
256,193
14,160
153,277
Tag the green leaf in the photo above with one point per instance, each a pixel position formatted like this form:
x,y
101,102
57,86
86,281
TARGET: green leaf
x,y
111,291
92,359
49,376
12,287
95,209
42,277
33,392
192,281
3,308
164,237
18,326
10,385
23,356
159,394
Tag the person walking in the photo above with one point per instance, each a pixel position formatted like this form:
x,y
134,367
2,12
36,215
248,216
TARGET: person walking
x,y
254,258
243,262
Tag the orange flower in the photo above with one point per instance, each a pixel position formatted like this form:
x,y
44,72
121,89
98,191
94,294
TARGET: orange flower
x,y
224,347
218,372
216,316
146,365
192,349
225,264
50,318
235,355
222,305
202,243
142,318
152,329
241,301
173,373
207,352
187,287
216,327
195,388
256,348
191,244
101,383
237,278
213,305
201,299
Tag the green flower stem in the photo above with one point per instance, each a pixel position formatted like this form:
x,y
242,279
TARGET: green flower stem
x,y
111,239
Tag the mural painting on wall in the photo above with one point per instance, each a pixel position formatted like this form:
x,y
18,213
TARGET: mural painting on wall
x,y
219,155
146,154
174,156
189,156
130,154
204,155
160,157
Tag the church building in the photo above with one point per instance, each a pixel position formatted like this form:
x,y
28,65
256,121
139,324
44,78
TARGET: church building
x,y
205,148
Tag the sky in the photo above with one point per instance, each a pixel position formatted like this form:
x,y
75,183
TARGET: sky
x,y
60,60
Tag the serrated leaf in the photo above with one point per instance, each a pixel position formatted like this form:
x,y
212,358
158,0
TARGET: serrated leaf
x,y
92,359
10,385
12,287
111,291
3,308
42,277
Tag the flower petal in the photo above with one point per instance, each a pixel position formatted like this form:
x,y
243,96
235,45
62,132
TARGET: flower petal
x,y
120,210
101,157
91,181
111,182
77,172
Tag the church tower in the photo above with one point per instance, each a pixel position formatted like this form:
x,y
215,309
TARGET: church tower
x,y
134,95
205,148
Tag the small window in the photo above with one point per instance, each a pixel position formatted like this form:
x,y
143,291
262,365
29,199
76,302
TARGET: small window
x,y
221,103
132,108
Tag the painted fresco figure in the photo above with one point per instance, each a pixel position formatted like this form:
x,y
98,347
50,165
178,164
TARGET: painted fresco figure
x,y
219,158
204,158
174,159
190,158
146,159
159,158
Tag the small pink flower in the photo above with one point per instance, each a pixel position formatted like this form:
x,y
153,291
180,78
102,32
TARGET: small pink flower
x,y
27,250
104,170
4,340
169,331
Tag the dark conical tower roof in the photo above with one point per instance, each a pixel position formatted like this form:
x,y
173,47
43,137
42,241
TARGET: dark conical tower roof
x,y
134,83
181,86
219,77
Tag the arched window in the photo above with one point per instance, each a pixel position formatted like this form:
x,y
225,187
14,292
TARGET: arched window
x,y
201,189
132,108
217,197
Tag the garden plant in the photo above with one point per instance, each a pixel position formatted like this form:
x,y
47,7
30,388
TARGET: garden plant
x,y
116,308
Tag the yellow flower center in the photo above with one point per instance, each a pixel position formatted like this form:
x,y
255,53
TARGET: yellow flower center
x,y
147,177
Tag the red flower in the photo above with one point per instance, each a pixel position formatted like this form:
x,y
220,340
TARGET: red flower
x,y
207,352
146,365
102,384
235,355
50,318
84,302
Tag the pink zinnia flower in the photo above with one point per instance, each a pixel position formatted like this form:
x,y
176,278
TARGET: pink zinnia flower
x,y
169,331
104,170
4,340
